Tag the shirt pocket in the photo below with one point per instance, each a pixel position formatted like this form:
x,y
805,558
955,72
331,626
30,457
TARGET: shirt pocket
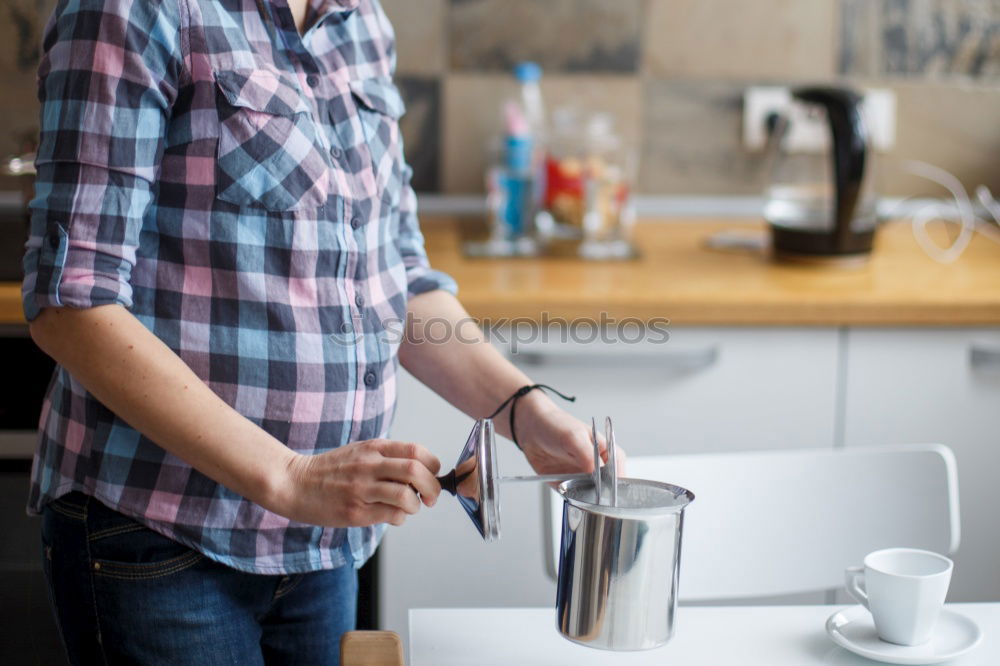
x,y
269,151
380,106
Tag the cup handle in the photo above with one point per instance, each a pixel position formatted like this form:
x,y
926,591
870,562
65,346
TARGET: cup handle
x,y
854,579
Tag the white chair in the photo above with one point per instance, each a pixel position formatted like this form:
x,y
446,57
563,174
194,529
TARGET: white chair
x,y
783,522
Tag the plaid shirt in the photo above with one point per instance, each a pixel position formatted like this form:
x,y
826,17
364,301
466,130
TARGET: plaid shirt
x,y
242,190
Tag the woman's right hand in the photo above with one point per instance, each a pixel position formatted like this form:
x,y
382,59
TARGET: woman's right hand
x,y
362,483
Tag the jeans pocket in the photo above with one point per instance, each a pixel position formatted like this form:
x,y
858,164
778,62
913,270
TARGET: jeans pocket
x,y
73,506
269,152
145,570
123,548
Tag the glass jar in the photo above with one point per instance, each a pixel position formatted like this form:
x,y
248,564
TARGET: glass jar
x,y
588,177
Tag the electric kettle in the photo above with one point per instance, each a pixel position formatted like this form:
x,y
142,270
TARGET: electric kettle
x,y
821,207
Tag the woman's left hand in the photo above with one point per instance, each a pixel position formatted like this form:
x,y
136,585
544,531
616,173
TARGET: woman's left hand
x,y
554,441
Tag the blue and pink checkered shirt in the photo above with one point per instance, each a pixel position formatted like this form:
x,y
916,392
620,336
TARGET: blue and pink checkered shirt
x,y
241,189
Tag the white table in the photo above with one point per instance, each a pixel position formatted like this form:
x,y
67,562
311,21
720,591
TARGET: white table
x,y
709,636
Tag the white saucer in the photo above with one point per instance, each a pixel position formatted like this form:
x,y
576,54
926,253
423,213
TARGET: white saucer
x,y
853,629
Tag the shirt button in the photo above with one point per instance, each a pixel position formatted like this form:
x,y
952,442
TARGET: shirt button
x,y
336,152
312,80
355,222
359,300
369,379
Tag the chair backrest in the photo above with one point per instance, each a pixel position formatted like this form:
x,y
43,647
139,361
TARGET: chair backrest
x,y
782,522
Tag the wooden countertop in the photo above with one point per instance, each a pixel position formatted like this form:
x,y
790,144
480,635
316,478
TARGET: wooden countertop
x,y
10,303
677,278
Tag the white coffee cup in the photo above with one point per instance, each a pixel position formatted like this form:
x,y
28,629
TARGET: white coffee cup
x,y
904,589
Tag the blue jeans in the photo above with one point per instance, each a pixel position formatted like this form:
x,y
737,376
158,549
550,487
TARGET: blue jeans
x,y
124,594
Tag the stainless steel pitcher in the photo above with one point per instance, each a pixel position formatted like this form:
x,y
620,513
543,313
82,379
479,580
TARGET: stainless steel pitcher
x,y
619,565
621,542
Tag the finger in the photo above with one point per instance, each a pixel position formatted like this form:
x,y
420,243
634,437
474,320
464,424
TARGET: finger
x,y
602,445
620,458
467,466
413,473
385,513
393,449
399,495
586,452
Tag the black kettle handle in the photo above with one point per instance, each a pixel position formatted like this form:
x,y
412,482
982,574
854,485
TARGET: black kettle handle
x,y
850,146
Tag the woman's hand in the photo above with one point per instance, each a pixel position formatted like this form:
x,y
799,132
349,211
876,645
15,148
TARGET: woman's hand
x,y
554,441
360,484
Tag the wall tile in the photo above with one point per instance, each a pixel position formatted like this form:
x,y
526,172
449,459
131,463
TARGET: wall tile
x,y
472,116
421,127
420,35
697,55
924,38
561,35
951,126
860,51
722,39
691,140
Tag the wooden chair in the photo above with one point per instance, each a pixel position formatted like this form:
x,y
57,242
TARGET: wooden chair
x,y
371,648
783,522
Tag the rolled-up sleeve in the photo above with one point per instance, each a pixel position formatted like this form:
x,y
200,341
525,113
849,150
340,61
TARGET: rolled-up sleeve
x,y
107,82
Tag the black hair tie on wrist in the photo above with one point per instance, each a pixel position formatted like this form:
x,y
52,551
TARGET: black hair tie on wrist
x,y
520,393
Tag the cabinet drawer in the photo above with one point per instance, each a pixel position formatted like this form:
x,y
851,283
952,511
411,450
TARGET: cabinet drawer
x,y
703,390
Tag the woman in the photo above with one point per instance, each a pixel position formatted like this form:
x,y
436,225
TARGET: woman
x,y
222,239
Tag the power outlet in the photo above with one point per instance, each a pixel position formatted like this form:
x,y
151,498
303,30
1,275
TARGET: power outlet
x,y
808,131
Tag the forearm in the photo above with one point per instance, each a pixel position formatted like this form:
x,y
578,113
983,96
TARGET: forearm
x,y
145,383
458,364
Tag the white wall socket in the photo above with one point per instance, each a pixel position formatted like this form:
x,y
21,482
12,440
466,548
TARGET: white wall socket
x,y
808,131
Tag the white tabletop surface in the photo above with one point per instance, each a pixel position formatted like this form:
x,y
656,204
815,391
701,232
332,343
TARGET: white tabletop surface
x,y
709,636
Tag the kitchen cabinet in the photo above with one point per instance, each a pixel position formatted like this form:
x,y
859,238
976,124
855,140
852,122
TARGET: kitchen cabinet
x,y
938,385
704,390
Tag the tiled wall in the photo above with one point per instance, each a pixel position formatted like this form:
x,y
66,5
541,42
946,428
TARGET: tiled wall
x,y
671,71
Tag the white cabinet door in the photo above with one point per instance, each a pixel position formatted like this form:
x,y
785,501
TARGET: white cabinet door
x,y
938,385
704,390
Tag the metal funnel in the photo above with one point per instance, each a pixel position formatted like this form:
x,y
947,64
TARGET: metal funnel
x,y
475,481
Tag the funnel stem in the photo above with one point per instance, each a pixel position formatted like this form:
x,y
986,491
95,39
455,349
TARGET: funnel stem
x,y
544,478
